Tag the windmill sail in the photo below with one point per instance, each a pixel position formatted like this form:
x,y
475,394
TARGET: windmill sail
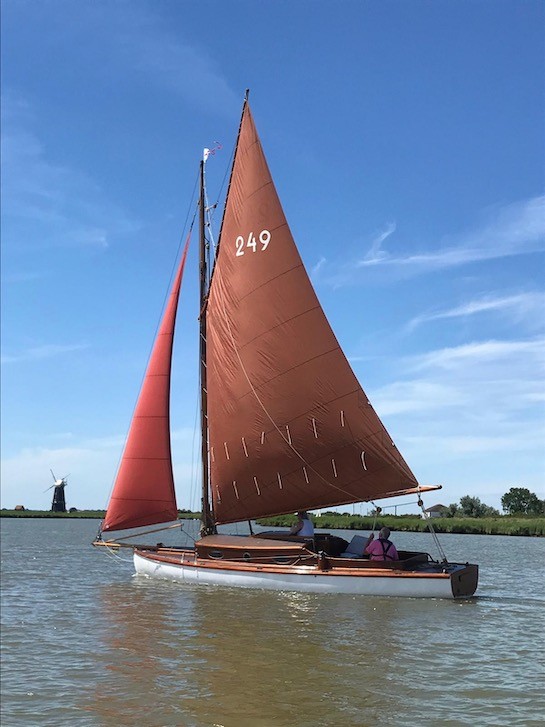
x,y
143,492
289,425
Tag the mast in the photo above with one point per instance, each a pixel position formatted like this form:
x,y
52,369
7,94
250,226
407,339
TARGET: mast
x,y
207,521
208,525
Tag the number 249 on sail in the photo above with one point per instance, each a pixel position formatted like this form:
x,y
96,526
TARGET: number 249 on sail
x,y
251,242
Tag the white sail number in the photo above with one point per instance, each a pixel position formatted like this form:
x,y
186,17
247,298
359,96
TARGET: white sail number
x,y
251,242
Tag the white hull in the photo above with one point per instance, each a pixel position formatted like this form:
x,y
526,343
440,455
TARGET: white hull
x,y
313,581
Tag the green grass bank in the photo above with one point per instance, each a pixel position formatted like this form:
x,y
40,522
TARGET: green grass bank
x,y
526,525
78,514
502,525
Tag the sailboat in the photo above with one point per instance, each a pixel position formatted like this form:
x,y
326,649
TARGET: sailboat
x,y
285,424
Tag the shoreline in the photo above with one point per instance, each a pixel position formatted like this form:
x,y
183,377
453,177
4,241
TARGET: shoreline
x,y
523,525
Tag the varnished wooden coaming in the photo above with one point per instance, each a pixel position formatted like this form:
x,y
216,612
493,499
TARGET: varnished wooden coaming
x,y
304,563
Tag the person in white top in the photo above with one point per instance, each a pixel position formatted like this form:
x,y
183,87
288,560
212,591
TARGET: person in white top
x,y
304,526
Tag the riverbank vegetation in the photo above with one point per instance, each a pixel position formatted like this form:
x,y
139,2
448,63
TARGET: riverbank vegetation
x,y
501,525
73,513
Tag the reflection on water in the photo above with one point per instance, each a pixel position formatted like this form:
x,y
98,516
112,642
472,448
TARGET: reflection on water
x,y
86,643
222,656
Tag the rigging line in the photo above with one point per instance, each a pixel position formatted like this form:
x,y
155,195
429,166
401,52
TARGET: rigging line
x,y
114,555
194,478
432,531
216,204
401,504
378,510
229,170
183,237
266,412
147,532
226,173
190,536
208,212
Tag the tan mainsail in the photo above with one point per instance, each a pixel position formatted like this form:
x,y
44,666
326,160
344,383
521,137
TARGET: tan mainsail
x,y
289,425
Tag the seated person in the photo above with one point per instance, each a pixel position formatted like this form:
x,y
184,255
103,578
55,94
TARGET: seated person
x,y
381,549
304,526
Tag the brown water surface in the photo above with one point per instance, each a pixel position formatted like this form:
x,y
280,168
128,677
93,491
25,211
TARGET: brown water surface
x,y
86,643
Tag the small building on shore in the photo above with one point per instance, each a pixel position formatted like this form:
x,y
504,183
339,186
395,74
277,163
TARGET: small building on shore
x,y
437,511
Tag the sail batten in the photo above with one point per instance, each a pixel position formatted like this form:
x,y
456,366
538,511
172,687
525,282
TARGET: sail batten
x,y
277,377
143,492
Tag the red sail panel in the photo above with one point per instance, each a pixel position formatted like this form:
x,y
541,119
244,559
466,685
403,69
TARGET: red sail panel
x,y
289,425
143,492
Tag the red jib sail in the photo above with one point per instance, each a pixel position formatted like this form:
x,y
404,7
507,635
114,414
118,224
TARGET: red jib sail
x,y
290,427
143,492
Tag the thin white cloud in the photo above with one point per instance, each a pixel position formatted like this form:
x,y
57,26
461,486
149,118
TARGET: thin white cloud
x,y
516,439
472,354
138,45
516,229
418,395
519,305
375,254
23,277
477,399
39,353
183,68
319,265
36,190
537,397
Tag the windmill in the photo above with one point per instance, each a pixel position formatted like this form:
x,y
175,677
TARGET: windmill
x,y
59,503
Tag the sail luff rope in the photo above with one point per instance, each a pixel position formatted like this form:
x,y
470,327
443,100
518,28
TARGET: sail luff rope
x,y
231,167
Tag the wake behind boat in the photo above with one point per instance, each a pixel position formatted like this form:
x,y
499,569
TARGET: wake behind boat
x,y
285,424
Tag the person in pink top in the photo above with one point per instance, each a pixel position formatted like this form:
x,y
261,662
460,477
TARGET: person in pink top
x,y
381,549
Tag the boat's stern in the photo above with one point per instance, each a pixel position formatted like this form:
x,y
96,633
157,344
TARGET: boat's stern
x,y
464,580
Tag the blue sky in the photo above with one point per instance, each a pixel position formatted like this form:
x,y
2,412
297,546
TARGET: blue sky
x,y
406,142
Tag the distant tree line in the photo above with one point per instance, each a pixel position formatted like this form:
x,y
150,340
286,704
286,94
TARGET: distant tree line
x,y
518,501
521,500
471,507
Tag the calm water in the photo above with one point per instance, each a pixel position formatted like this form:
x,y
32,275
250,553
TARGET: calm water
x,y
86,643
